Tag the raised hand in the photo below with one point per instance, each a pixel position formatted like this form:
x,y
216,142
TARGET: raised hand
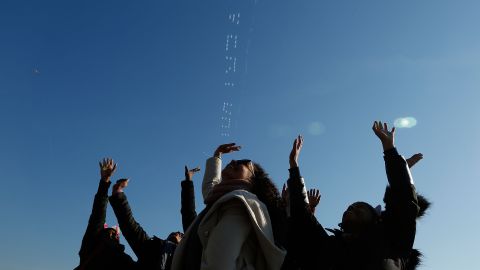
x,y
411,161
107,168
313,199
297,147
189,173
386,137
226,148
119,186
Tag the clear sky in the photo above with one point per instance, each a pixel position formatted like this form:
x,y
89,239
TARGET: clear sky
x,y
149,83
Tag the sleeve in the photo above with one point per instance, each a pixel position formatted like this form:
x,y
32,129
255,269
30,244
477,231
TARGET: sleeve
x,y
133,232
302,220
401,204
188,204
299,208
212,176
96,220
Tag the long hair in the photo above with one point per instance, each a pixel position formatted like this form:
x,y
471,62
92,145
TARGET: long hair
x,y
268,193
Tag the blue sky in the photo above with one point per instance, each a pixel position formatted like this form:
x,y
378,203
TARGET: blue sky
x,y
144,83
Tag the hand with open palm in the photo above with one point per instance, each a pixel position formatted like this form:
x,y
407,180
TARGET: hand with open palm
x,y
387,137
226,148
107,168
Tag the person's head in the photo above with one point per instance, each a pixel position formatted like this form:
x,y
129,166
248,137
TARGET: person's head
x,y
359,218
111,234
175,237
239,169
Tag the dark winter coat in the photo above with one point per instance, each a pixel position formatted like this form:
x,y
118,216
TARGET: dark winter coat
x,y
388,246
194,255
97,250
188,204
153,253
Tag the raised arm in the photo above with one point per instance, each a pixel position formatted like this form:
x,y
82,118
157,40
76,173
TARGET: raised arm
x,y
99,209
397,168
213,168
133,232
188,198
401,204
303,250
297,192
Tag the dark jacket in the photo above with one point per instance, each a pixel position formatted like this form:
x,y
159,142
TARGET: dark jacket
x,y
153,253
188,204
97,250
193,256
387,246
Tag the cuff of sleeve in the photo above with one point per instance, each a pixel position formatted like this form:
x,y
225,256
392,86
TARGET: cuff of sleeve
x,y
391,152
118,196
214,160
104,186
294,172
187,183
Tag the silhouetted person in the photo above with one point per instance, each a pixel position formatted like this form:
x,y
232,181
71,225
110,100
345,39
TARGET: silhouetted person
x,y
101,248
153,253
312,198
367,239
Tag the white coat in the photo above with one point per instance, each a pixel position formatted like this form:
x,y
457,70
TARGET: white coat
x,y
236,232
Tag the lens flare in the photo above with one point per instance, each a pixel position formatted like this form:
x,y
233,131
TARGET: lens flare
x,y
316,128
405,122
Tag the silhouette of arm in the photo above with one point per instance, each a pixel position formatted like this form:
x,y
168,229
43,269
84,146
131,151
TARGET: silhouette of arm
x,y
401,204
299,207
96,220
188,204
306,237
131,229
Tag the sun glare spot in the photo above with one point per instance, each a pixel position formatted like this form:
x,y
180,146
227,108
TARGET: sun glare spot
x,y
405,122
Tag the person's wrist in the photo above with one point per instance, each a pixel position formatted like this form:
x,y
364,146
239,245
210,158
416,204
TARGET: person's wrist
x,y
105,179
293,164
387,146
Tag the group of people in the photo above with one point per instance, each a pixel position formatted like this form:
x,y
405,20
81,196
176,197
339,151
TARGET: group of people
x,y
247,223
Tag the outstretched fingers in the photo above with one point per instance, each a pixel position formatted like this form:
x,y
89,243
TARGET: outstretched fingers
x,y
297,146
300,142
228,148
189,173
107,168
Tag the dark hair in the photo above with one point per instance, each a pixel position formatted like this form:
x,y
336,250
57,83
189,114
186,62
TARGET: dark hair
x,y
268,193
374,222
369,207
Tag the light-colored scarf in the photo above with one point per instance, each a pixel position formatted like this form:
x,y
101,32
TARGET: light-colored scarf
x,y
225,187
